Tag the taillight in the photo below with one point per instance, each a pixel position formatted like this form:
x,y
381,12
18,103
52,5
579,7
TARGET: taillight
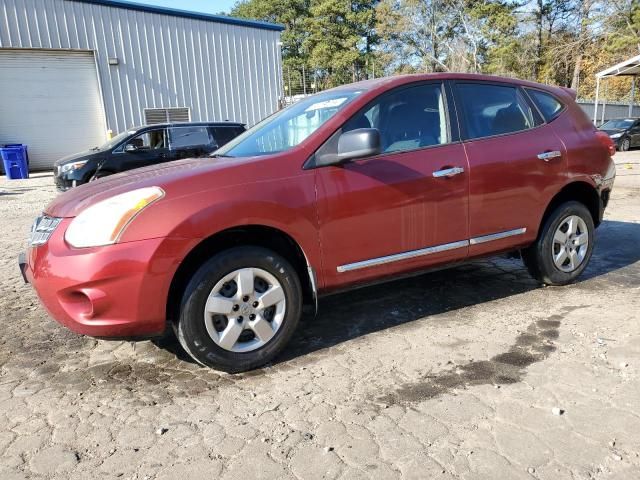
x,y
606,142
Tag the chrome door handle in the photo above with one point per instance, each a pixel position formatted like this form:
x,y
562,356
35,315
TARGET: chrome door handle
x,y
546,156
448,172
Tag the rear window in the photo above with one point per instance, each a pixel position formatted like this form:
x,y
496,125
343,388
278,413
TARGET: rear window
x,y
548,105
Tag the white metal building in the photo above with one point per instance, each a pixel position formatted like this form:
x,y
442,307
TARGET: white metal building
x,y
71,70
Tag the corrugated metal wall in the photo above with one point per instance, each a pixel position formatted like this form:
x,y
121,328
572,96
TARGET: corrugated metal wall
x,y
611,110
219,71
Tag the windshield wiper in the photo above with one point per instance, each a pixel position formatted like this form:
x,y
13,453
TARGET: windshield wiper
x,y
220,155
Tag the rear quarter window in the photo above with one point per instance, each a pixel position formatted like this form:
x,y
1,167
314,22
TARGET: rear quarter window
x,y
549,106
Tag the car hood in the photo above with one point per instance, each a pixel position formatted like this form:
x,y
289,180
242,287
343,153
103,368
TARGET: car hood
x,y
77,156
179,178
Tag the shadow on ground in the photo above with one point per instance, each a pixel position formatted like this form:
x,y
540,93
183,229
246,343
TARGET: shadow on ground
x,y
346,316
349,315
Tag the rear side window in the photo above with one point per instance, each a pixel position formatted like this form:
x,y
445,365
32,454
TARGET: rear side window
x,y
224,135
493,110
546,103
182,137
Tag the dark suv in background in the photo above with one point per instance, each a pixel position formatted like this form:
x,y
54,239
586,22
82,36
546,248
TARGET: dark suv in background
x,y
142,146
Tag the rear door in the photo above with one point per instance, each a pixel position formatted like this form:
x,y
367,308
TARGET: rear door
x,y
190,141
404,209
517,164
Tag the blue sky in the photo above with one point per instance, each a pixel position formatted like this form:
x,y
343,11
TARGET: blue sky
x,y
201,6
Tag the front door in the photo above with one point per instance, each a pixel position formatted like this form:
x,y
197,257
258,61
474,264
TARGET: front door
x,y
634,134
517,165
147,148
403,209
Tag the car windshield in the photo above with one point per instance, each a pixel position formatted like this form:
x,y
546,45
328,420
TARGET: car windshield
x,y
621,123
289,127
109,144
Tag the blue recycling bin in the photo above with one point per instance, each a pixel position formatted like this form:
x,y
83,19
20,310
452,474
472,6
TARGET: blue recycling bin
x,y
14,160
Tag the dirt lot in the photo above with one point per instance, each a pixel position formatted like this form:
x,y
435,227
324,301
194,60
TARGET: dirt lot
x,y
448,375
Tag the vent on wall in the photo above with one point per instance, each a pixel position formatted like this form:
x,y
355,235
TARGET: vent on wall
x,y
153,116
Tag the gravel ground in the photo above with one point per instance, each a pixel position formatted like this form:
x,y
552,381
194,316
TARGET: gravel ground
x,y
456,374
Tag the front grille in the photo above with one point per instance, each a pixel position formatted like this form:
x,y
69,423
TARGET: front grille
x,y
42,229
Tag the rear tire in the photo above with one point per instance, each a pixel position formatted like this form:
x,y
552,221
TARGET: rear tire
x,y
564,245
240,309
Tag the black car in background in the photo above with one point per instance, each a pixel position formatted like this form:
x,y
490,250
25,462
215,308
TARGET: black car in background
x,y
625,132
142,146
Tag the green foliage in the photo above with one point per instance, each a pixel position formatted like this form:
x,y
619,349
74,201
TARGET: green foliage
x,y
554,41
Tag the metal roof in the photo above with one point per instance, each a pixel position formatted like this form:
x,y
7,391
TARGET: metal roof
x,y
185,13
628,68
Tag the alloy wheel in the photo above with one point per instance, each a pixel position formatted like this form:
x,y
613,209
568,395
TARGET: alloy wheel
x,y
570,244
626,144
244,310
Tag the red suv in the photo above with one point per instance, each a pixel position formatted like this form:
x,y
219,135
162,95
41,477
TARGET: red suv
x,y
353,185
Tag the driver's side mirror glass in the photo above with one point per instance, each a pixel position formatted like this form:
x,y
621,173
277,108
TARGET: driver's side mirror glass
x,y
130,147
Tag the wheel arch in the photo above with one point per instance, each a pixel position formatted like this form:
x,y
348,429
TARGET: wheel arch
x,y
246,235
580,191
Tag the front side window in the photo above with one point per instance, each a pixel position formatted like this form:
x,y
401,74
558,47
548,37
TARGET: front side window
x,y
289,127
182,137
493,110
150,140
546,103
408,119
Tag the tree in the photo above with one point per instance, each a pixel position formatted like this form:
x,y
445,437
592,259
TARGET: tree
x,y
341,36
293,14
416,32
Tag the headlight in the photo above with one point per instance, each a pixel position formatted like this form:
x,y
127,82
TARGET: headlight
x,y
104,222
68,167
616,135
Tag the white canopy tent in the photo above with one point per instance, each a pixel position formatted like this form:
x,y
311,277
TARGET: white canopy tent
x,y
628,68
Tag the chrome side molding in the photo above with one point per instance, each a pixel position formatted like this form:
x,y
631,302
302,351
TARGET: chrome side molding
x,y
402,256
497,236
373,262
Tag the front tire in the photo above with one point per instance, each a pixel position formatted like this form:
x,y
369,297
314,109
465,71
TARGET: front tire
x,y
625,144
564,245
240,309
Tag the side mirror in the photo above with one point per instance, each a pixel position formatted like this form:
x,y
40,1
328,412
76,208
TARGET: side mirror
x,y
130,147
359,143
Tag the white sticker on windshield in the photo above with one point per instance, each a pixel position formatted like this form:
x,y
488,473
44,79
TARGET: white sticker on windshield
x,y
336,102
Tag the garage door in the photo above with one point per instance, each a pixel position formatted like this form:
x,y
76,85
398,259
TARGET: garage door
x,y
50,101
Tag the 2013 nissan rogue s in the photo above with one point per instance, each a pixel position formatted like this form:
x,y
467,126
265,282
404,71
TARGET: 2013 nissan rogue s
x,y
353,185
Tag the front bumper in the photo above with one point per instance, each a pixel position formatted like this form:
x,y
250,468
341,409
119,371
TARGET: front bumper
x,y
113,291
61,182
